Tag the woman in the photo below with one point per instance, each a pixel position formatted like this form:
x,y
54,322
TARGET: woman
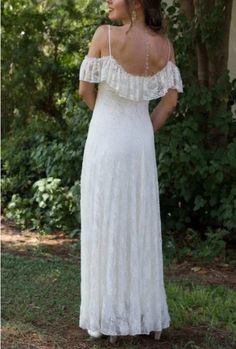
x,y
122,286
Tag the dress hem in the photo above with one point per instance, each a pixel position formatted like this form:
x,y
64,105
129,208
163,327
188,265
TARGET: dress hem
x,y
108,333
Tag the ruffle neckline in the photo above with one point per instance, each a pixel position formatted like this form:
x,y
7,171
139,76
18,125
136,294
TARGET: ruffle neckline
x,y
127,85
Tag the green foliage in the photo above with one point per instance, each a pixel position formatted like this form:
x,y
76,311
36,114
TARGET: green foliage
x,y
43,43
51,202
45,124
210,27
191,244
50,208
18,170
197,147
197,173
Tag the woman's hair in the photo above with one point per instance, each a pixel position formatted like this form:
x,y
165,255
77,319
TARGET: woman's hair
x,y
152,13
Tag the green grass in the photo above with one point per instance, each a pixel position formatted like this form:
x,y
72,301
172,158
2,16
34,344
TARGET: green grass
x,y
197,304
40,290
40,294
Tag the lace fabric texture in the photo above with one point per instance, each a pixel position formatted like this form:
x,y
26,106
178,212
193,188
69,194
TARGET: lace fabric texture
x,y
122,285
136,88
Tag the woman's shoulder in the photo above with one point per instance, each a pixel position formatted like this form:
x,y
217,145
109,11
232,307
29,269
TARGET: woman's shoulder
x,y
115,30
101,31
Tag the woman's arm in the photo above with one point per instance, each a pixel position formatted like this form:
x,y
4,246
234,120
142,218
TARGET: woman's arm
x,y
88,90
90,98
164,109
168,102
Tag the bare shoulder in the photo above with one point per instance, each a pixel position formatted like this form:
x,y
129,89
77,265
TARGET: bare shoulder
x,y
100,31
103,27
98,41
99,35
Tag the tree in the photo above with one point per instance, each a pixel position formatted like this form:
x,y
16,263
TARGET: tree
x,y
43,43
210,21
197,146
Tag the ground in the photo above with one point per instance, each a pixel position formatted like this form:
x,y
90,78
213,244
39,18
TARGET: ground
x,y
20,335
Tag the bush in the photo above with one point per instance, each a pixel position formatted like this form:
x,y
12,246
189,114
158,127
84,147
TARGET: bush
x,y
197,176
50,208
46,130
196,149
191,245
51,202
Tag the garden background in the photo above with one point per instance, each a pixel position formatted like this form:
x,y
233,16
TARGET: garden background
x,y
44,129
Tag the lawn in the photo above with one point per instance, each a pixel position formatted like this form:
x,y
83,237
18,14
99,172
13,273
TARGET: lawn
x,y
41,298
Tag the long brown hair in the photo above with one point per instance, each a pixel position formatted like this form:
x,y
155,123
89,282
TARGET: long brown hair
x,y
152,13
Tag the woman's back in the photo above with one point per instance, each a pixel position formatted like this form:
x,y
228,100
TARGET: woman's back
x,y
129,50
122,64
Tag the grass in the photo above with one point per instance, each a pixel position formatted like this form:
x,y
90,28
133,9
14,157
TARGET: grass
x,y
41,298
40,290
197,304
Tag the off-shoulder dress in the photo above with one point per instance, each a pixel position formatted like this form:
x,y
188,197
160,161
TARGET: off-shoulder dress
x,y
122,284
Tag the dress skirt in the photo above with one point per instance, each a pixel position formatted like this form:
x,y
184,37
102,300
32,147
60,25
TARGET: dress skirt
x,y
122,286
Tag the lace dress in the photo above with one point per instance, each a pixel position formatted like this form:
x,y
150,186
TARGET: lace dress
x,y
122,286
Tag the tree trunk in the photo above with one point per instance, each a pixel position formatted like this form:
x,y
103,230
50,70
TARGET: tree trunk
x,y
210,31
187,8
212,61
219,55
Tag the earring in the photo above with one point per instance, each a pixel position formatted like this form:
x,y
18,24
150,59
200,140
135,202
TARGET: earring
x,y
134,15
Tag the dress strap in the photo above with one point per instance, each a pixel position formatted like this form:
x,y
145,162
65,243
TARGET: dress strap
x,y
169,49
109,38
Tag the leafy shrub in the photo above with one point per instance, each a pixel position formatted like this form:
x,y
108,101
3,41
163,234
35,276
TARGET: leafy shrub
x,y
51,207
46,127
55,157
44,123
196,149
192,245
197,177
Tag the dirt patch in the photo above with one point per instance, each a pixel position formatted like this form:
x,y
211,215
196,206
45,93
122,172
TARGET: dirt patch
x,y
22,242
26,242
73,337
213,273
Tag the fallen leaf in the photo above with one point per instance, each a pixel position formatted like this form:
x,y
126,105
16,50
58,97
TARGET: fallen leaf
x,y
195,269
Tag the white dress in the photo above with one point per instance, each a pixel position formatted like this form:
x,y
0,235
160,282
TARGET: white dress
x,y
122,286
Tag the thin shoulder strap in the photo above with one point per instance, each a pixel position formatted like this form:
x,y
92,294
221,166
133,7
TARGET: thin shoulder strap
x,y
109,38
169,50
